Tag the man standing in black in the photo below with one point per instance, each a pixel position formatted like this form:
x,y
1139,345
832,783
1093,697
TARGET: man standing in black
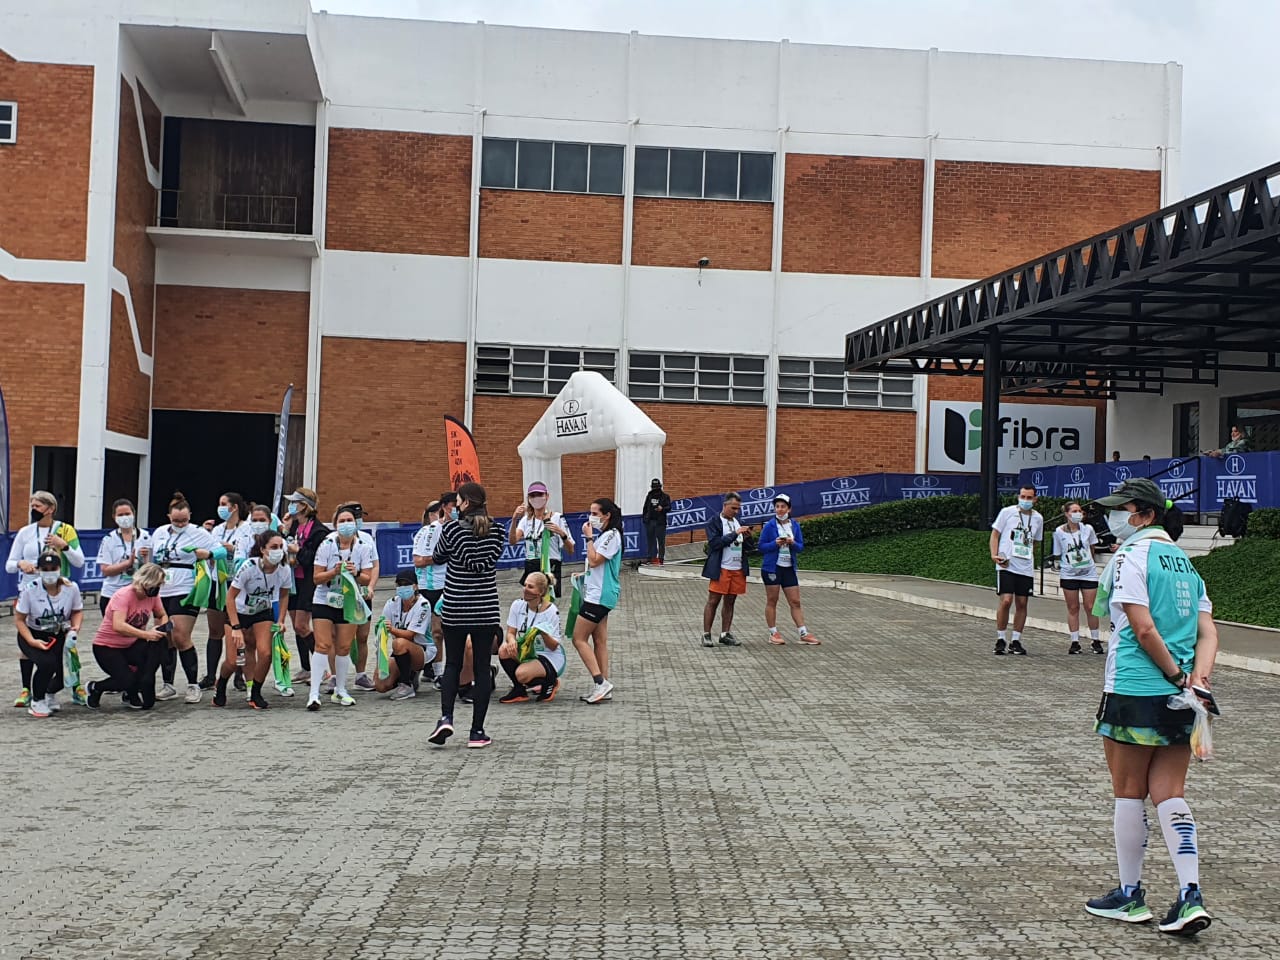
x,y
656,507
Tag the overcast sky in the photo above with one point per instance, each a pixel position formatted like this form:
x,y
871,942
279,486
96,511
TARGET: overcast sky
x,y
1231,75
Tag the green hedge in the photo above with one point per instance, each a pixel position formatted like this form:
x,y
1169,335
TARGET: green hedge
x,y
1243,581
959,555
1265,523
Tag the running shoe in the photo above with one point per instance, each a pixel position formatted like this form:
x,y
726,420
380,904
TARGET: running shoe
x,y
1187,916
708,640
94,700
479,739
585,698
207,682
442,732
258,701
729,640
51,701
363,682
194,693
465,694
39,709
133,702
549,692
1097,647
313,705
1118,905
344,698
285,691
777,639
24,698
1075,647
79,696
220,695
1000,648
1017,647
515,695
238,681
303,677
403,691
329,685
167,692
600,691
809,640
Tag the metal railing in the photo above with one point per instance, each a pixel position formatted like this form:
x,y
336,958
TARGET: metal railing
x,y
252,213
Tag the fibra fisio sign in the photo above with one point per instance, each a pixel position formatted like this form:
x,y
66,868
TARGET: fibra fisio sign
x,y
1031,435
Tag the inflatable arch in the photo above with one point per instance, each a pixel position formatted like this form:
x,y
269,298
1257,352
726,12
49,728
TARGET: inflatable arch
x,y
589,415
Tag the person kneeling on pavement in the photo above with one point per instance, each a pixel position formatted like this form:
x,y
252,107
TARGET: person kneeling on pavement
x,y
532,653
408,616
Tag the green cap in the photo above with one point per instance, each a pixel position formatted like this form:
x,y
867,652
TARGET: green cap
x,y
1139,488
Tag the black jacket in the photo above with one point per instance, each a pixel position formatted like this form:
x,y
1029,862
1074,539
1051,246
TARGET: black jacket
x,y
652,500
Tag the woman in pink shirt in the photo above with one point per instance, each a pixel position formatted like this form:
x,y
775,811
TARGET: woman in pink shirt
x,y
126,649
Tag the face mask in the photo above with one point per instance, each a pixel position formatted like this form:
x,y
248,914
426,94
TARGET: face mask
x,y
258,526
537,502
275,556
293,509
453,513
597,522
36,516
178,524
347,528
151,591
1075,517
1026,504
406,593
125,522
1118,524
50,577
224,512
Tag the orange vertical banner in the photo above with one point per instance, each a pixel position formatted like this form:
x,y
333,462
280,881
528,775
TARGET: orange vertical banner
x,y
464,462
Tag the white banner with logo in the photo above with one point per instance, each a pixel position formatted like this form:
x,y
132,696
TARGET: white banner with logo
x,y
1031,435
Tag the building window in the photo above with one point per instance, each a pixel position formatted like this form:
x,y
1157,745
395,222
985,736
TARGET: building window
x,y
535,371
696,377
805,382
8,122
703,174
551,166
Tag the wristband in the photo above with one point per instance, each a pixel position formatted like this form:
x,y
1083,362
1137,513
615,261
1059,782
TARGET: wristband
x,y
235,627
1176,678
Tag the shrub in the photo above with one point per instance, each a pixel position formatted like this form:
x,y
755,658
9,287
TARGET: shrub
x,y
959,555
930,513
1243,581
1265,523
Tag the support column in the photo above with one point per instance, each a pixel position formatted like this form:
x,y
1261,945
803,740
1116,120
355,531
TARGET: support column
x,y
989,496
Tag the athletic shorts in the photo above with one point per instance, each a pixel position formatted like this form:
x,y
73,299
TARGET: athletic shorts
x,y
1146,721
102,603
594,612
432,597
535,566
549,668
174,607
781,577
1076,584
731,583
322,611
1017,584
300,595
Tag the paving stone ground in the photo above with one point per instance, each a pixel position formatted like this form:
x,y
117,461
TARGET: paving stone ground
x,y
895,792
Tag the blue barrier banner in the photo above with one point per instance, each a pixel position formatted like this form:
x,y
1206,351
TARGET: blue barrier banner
x,y
1249,477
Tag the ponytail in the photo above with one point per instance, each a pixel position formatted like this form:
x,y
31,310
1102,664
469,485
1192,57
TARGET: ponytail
x,y
1167,515
477,515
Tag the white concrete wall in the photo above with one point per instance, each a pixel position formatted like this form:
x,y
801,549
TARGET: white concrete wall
x,y
179,268
550,304
394,296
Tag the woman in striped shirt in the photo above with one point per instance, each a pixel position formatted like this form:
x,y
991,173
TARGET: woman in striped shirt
x,y
471,546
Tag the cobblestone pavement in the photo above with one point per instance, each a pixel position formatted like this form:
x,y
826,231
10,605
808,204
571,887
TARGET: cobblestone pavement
x,y
895,792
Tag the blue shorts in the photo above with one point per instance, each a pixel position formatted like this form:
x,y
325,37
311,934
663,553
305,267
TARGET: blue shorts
x,y
781,577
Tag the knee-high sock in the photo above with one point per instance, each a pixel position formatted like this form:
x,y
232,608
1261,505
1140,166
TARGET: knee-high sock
x,y
509,664
28,668
212,654
1180,837
169,665
190,664
405,665
1131,840
341,669
317,680
305,645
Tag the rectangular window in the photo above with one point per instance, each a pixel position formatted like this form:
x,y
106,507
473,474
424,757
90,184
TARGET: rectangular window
x,y
545,165
699,378
503,370
703,174
8,122
805,382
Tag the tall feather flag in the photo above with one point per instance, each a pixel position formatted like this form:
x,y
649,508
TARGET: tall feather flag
x,y
282,451
464,462
4,469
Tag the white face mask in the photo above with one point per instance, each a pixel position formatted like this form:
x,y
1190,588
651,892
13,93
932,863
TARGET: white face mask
x,y
1075,517
50,577
597,521
1118,524
275,556
1026,505
258,526
125,522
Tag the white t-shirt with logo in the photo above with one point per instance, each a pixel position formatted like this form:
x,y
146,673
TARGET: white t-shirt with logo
x,y
730,556
532,527
114,549
1019,532
46,613
548,623
330,555
417,620
1075,552
171,545
259,589
430,577
600,584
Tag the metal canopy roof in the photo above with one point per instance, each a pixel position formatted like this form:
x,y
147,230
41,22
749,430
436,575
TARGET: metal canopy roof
x,y
1172,297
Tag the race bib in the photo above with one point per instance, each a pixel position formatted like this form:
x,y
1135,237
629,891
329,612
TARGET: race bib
x,y
334,599
533,548
735,553
256,604
1022,550
49,623
168,575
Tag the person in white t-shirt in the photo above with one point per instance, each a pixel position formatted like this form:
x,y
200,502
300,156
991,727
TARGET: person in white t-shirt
x,y
540,528
533,653
233,534
1014,533
408,615
727,568
257,600
1073,545
121,552
48,614
431,575
341,551
361,660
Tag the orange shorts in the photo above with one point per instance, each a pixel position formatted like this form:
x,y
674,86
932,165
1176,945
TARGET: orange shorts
x,y
731,583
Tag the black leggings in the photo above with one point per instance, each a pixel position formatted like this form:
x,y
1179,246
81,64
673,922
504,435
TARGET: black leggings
x,y
47,677
483,638
126,667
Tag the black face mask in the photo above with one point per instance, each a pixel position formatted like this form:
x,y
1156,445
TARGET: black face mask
x,y
36,516
151,592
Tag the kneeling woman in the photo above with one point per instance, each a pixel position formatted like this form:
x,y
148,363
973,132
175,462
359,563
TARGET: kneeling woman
x,y
126,649
48,611
537,660
340,552
601,588
260,585
408,616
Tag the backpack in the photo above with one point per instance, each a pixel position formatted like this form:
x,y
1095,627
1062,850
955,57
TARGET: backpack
x,y
1096,517
1234,519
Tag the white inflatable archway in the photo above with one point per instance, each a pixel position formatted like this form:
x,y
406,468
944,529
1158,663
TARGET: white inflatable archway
x,y
589,415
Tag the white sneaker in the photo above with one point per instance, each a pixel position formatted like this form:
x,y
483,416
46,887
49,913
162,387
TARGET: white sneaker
x,y
193,693
600,691
167,692
51,703
403,692
286,692
343,699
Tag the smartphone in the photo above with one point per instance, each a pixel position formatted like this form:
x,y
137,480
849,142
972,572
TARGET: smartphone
x,y
166,627
1207,696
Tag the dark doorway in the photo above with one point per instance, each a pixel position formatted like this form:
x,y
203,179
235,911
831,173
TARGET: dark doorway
x,y
119,482
54,469
206,454
1186,429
